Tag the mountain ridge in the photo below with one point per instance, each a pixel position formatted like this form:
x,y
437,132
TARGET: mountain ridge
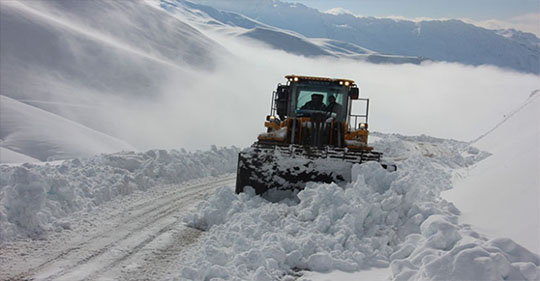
x,y
442,40
281,39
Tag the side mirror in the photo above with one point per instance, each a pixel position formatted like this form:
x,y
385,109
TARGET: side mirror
x,y
282,100
354,93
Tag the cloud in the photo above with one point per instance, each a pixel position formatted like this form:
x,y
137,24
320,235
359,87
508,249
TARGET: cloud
x,y
446,100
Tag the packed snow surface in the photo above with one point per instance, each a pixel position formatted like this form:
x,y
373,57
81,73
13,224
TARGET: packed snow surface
x,y
35,197
381,219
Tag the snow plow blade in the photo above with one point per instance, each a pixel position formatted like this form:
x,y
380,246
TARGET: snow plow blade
x,y
290,167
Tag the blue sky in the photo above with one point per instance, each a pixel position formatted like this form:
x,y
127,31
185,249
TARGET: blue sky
x,y
473,9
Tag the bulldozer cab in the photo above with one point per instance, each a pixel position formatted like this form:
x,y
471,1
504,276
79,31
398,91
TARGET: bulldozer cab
x,y
305,96
309,100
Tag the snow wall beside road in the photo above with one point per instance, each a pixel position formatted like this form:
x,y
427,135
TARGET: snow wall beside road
x,y
34,198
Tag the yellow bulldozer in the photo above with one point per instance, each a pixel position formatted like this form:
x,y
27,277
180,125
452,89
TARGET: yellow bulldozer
x,y
312,135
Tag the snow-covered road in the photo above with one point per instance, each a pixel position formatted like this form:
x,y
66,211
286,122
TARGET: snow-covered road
x,y
140,236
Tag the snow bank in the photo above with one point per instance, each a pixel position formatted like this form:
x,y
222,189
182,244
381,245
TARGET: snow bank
x,y
466,257
34,197
380,219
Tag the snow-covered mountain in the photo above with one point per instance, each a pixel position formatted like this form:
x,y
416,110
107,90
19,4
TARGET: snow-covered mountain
x,y
526,39
68,65
445,40
277,38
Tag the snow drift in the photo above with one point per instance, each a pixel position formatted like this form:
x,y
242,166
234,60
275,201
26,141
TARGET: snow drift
x,y
511,177
380,219
36,133
34,198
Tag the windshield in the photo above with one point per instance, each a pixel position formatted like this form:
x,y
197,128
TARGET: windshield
x,y
330,100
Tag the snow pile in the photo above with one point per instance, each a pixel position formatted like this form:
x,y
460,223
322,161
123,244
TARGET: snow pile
x,y
380,219
444,252
34,198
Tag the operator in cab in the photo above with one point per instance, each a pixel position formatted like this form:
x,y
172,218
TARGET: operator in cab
x,y
334,107
316,103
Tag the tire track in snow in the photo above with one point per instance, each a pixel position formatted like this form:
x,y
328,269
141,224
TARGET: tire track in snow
x,y
173,250
133,216
109,248
133,251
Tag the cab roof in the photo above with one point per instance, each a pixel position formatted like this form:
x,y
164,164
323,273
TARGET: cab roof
x,y
315,78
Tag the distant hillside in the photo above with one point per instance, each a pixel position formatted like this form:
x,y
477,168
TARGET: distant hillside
x,y
289,41
449,40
